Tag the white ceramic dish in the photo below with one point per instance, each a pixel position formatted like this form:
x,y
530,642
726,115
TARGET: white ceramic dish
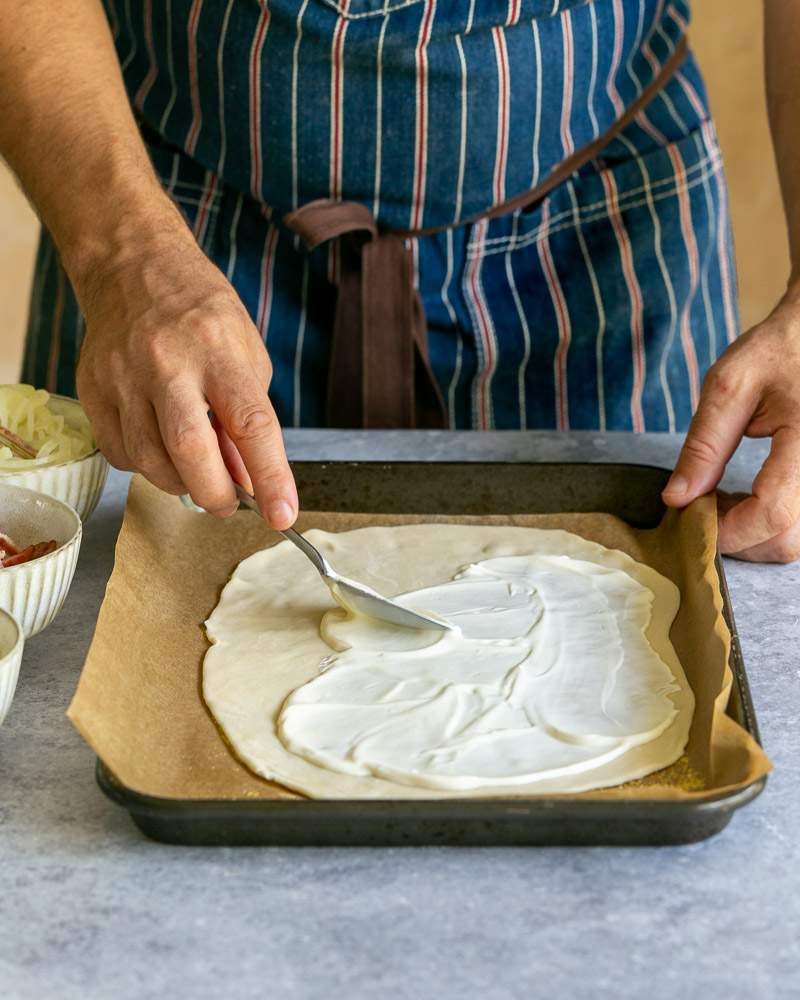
x,y
11,643
79,482
33,592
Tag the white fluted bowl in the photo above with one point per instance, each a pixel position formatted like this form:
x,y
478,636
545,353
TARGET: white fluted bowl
x,y
33,592
11,642
79,482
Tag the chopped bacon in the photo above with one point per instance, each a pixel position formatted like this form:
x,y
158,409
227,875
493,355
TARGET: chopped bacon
x,y
17,445
7,547
31,552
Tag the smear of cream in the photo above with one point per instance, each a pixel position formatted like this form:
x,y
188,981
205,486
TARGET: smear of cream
x,y
548,673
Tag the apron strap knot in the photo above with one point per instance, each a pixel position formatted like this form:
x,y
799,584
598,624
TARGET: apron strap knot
x,y
379,375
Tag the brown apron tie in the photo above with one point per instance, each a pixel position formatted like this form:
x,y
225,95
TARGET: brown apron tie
x,y
379,375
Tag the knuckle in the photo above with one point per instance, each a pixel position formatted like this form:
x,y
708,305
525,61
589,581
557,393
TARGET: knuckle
x,y
184,437
702,446
723,380
160,352
252,420
209,328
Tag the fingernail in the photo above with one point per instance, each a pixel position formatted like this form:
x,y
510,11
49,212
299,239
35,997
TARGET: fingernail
x,y
280,514
677,484
228,511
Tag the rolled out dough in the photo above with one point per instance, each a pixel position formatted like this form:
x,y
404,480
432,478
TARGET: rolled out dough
x,y
271,680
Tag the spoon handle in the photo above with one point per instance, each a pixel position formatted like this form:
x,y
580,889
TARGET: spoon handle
x,y
309,550
293,536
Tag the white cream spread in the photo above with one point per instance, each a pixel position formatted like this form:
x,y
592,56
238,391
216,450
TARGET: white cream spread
x,y
548,673
560,676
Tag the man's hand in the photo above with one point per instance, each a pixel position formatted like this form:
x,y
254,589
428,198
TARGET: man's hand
x,y
754,390
168,340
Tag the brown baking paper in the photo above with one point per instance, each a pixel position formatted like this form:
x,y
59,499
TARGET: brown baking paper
x,y
138,702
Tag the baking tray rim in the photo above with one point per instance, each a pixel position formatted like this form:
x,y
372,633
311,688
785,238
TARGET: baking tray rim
x,y
144,802
724,802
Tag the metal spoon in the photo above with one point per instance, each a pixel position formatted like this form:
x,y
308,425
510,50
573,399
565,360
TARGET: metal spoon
x,y
351,594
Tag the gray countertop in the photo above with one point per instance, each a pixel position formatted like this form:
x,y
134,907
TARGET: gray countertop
x,y
91,909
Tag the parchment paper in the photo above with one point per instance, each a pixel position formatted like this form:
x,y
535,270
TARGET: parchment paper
x,y
138,702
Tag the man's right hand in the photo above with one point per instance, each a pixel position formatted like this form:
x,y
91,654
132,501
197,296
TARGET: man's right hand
x,y
168,340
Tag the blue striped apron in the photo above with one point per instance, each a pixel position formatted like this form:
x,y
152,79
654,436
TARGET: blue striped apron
x,y
599,306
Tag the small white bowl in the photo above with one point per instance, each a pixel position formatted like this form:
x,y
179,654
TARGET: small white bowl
x,y
11,643
79,482
33,592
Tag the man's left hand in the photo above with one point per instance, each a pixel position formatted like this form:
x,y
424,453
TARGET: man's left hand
x,y
753,389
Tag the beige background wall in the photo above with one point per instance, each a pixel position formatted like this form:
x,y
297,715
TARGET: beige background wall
x,y
727,38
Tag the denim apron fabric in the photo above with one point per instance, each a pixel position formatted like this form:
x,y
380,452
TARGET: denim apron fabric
x,y
597,307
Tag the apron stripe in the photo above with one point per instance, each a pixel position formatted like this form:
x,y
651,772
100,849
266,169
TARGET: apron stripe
x,y
705,269
133,35
679,19
298,357
376,197
562,322
522,372
462,149
724,248
470,18
445,297
223,132
266,283
421,138
295,74
634,297
593,74
566,102
684,210
513,12
336,132
501,149
194,82
230,270
616,58
643,121
487,352
537,115
634,51
673,112
150,79
204,208
599,308
337,97
173,94
647,44
255,99
691,93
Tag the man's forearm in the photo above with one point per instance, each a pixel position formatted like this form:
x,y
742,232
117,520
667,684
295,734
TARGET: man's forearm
x,y
67,131
782,66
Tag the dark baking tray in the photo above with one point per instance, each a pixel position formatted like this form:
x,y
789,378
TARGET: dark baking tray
x,y
632,492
